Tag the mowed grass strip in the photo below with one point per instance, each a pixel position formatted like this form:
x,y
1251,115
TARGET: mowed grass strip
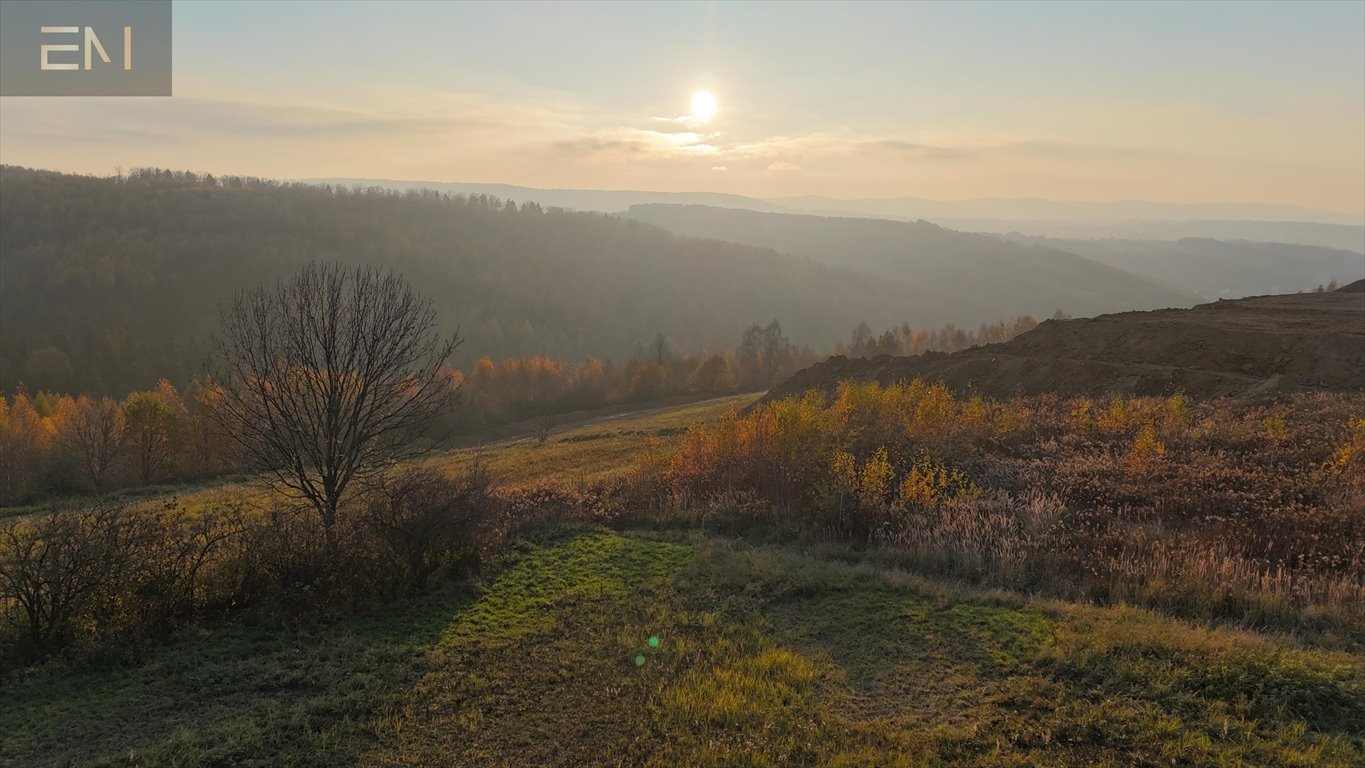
x,y
589,451
762,656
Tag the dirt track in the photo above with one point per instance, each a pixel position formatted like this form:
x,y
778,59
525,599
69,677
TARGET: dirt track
x,y
1252,346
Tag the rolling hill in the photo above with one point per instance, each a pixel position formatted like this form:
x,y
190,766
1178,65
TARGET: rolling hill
x,y
1131,219
1220,269
109,285
1252,346
960,277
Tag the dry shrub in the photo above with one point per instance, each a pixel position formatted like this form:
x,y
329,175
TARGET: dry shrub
x,y
427,523
994,537
84,577
93,574
1250,510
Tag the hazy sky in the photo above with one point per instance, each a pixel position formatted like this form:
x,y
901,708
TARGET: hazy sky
x,y
1161,101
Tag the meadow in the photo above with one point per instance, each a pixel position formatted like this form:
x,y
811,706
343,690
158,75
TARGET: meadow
x,y
639,648
891,577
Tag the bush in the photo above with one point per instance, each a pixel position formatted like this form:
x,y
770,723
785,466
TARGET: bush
x,y
85,576
1249,510
88,575
425,524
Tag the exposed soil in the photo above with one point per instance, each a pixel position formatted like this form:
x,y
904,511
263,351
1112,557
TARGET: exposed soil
x,y
1253,346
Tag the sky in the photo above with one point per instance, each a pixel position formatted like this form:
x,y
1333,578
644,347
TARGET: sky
x,y
1162,101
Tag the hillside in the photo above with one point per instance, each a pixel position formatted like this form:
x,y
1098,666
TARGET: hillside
x,y
599,200
1347,237
1034,217
965,278
1039,209
1248,346
713,654
110,285
724,641
1219,268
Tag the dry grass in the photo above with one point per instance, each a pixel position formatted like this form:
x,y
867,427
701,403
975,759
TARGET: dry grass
x,y
1253,512
765,657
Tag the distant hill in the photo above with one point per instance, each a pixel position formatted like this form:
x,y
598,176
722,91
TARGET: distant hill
x,y
1258,345
961,277
1220,268
600,200
1030,216
1347,237
109,285
1038,209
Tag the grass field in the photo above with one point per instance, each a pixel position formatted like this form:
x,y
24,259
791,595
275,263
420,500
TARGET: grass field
x,y
590,449
763,657
685,648
584,447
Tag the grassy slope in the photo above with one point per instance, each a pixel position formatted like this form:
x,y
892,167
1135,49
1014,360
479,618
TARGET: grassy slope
x,y
582,448
766,657
591,449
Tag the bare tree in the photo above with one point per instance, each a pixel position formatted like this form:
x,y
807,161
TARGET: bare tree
x,y
764,352
658,349
544,425
328,377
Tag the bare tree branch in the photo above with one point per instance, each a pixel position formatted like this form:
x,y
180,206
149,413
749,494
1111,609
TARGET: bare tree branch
x,y
328,377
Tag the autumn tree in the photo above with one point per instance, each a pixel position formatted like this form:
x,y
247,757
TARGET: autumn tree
x,y
24,443
95,432
155,425
329,376
650,381
714,375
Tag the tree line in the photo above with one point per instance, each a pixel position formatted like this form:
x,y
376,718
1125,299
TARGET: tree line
x,y
55,444
905,340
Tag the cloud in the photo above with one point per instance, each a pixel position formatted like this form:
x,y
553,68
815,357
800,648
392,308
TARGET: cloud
x,y
623,148
966,148
190,120
719,168
913,149
622,144
782,165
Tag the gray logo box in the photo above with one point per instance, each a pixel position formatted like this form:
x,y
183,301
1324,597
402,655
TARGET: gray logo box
x,y
85,48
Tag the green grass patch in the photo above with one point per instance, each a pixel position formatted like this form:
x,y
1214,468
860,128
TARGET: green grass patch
x,y
763,656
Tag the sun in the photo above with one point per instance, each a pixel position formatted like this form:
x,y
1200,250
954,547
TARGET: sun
x,y
703,106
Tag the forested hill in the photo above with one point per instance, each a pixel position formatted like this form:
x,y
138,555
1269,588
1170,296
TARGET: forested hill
x,y
110,284
974,278
1219,269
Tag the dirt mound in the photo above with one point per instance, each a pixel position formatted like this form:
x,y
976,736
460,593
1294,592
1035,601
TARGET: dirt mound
x,y
1250,346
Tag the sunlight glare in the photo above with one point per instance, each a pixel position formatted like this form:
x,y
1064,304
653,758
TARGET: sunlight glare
x,y
703,106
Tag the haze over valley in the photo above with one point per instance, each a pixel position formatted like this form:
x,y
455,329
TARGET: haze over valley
x,y
402,384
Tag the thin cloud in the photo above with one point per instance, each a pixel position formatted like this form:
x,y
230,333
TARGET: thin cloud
x,y
782,166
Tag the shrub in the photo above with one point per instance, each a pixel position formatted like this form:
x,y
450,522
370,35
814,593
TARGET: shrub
x,y
1259,521
69,575
426,523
